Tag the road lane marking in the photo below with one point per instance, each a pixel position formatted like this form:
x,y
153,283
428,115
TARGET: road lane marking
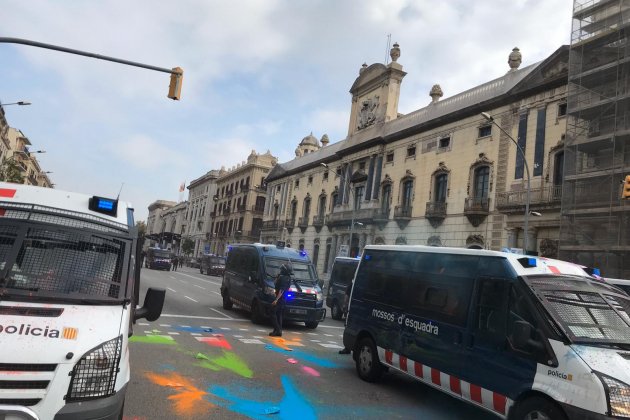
x,y
196,285
173,277
221,313
173,333
172,290
216,293
191,299
331,346
165,325
197,278
250,341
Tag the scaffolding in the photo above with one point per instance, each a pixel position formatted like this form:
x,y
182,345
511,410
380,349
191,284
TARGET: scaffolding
x,y
595,220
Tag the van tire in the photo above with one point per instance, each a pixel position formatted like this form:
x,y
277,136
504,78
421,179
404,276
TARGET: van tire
x,y
227,302
368,365
257,316
537,407
122,411
311,324
335,311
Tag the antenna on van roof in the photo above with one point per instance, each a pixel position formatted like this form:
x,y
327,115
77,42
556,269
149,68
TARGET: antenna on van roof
x,y
119,191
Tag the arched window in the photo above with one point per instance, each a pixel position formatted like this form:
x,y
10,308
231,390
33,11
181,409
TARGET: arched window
x,y
321,210
407,190
440,188
327,256
307,208
482,182
558,168
386,198
315,254
333,201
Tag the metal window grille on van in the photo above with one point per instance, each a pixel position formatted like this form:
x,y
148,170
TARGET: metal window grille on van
x,y
62,261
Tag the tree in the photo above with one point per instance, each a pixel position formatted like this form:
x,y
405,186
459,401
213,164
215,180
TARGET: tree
x,y
10,171
187,246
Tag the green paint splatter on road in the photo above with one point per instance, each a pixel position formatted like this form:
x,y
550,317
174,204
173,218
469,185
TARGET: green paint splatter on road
x,y
234,363
153,339
209,365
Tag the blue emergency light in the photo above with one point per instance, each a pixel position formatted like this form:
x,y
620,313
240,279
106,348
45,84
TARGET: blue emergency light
x,y
303,253
528,262
104,205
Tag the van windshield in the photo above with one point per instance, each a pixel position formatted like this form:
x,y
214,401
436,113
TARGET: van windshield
x,y
46,261
160,253
303,272
588,311
217,260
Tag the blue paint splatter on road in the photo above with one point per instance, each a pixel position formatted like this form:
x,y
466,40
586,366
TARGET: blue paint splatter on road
x,y
193,329
292,405
304,357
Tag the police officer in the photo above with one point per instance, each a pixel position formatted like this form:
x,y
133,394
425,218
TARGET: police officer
x,y
283,282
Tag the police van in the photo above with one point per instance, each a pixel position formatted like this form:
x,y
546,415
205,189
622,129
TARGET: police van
x,y
521,337
248,282
69,285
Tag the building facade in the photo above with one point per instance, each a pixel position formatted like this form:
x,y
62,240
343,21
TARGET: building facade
x,y
156,225
595,218
198,217
17,149
239,202
442,175
175,224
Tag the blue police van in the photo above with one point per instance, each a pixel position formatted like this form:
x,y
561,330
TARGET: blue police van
x,y
248,282
521,337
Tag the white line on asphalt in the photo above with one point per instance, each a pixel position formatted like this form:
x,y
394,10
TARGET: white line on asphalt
x,y
165,325
212,318
191,299
173,277
196,285
173,333
221,313
197,278
216,293
172,290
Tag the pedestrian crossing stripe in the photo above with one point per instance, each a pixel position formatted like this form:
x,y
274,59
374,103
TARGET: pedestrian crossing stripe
x,y
250,341
330,346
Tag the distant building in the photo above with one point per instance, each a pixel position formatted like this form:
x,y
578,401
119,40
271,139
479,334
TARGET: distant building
x,y
15,145
239,202
441,175
198,218
157,226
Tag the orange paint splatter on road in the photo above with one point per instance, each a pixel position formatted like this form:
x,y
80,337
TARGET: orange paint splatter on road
x,y
188,399
285,344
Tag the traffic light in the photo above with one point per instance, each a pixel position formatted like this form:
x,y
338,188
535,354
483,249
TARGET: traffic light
x,y
175,87
625,193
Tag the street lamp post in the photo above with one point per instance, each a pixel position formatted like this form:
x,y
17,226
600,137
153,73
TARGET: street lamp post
x,y
20,103
491,120
353,205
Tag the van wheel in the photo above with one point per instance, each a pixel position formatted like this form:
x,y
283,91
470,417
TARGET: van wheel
x,y
311,324
257,316
335,311
538,408
122,411
227,302
368,366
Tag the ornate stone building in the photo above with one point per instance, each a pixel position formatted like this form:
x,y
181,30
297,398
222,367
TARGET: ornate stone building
x,y
198,215
441,175
239,202
156,225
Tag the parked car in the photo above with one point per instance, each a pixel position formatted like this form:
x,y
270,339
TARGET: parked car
x,y
212,265
341,276
193,262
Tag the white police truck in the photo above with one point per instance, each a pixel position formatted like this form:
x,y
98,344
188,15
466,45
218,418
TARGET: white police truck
x,y
521,337
69,282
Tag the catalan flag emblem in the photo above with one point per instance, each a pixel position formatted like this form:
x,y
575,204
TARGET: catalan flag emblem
x,y
70,333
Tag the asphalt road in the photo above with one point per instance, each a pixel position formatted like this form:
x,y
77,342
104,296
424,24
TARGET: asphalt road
x,y
200,361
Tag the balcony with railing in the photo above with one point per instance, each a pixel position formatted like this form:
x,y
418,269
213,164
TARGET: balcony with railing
x,y
290,223
539,198
303,222
345,217
403,212
435,212
272,225
477,209
318,220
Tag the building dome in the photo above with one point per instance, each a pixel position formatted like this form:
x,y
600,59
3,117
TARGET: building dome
x,y
310,140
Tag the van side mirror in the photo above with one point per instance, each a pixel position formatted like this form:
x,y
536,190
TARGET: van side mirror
x,y
521,338
521,334
253,276
153,304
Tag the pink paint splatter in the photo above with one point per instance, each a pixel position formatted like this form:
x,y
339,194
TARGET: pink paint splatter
x,y
310,371
216,341
292,361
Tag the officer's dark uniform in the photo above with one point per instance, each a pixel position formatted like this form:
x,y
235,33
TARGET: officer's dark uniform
x,y
283,282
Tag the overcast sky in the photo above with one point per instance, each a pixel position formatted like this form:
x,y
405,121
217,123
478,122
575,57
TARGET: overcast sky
x,y
258,75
